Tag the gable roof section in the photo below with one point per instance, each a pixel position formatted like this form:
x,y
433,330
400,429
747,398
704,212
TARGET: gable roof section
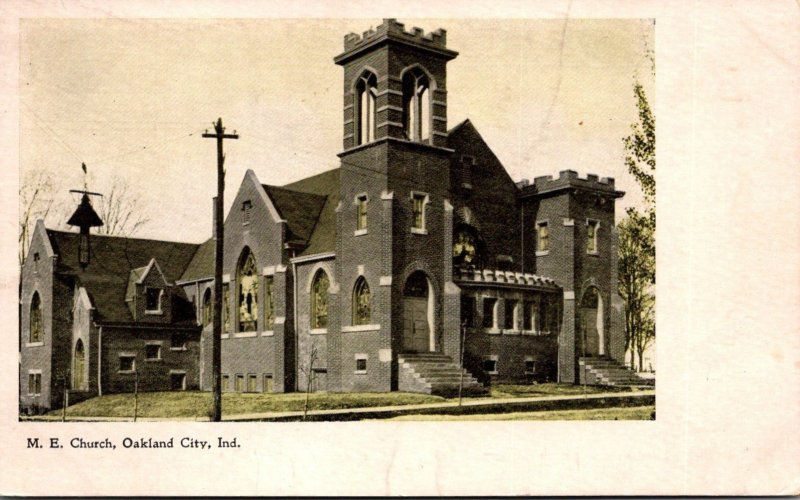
x,y
112,260
202,264
299,209
326,186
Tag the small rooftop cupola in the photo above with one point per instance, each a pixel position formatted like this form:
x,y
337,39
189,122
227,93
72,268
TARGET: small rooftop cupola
x,y
395,85
85,218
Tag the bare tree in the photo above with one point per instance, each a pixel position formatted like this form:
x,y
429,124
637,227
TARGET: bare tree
x,y
120,210
308,370
36,194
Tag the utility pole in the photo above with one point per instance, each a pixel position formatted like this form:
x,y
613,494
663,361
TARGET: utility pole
x,y
216,336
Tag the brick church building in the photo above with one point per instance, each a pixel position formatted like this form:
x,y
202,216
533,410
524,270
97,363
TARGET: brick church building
x,y
360,278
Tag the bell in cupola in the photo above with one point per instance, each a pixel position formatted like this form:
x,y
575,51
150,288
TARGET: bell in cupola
x,y
84,217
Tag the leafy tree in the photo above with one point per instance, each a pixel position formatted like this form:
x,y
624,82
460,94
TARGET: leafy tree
x,y
637,234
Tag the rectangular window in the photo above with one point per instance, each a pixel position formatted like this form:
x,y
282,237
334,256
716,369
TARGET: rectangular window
x,y
591,236
247,209
153,299
361,204
542,237
490,365
530,366
152,352
361,363
177,381
267,382
489,313
252,382
269,303
34,384
226,380
418,201
238,384
529,315
468,311
178,342
510,319
127,363
36,262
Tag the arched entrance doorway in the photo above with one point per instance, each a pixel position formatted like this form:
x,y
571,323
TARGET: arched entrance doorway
x,y
418,334
79,366
592,323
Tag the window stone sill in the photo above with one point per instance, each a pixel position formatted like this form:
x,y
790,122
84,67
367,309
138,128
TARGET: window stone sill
x,y
511,332
154,313
542,253
360,372
153,360
360,232
360,328
416,230
243,335
594,254
492,331
267,333
34,344
318,331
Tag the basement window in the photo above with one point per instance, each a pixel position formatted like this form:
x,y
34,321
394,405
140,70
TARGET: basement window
x,y
177,380
490,364
530,365
127,363
361,363
252,382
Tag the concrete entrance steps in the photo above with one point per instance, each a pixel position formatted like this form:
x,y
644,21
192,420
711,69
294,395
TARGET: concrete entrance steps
x,y
437,374
603,370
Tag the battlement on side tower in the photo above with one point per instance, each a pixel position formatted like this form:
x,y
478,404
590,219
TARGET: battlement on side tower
x,y
394,29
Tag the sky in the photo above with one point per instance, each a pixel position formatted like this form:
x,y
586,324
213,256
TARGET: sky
x,y
131,98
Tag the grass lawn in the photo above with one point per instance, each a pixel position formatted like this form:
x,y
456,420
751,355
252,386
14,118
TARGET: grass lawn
x,y
198,404
549,389
630,413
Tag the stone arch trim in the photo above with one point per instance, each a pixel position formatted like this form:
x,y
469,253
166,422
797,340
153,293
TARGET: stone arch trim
x,y
364,69
420,266
320,266
431,80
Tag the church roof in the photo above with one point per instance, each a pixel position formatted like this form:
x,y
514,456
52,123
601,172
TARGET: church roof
x,y
325,186
202,264
113,258
300,209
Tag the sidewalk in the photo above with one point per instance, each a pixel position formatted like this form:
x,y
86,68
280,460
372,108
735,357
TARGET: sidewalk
x,y
481,405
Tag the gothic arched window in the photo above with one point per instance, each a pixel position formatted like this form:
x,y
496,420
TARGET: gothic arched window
x,y
366,95
37,328
208,311
247,279
417,105
361,302
319,300
79,366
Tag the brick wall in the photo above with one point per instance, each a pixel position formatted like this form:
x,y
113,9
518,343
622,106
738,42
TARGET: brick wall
x,y
154,374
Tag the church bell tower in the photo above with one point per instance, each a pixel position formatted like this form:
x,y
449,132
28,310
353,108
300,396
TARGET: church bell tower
x,y
392,234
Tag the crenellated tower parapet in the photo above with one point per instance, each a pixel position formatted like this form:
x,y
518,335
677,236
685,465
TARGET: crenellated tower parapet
x,y
570,180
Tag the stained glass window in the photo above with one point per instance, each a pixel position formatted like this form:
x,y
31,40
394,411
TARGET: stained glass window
x,y
319,300
36,319
361,302
248,293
